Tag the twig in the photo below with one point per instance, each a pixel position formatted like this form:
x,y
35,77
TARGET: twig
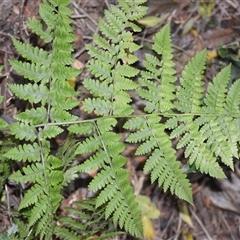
x,y
178,228
79,52
85,13
8,204
227,225
201,225
21,20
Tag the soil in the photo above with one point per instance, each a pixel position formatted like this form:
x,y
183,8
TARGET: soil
x,y
215,214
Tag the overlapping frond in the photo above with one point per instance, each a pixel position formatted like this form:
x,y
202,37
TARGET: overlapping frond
x,y
88,221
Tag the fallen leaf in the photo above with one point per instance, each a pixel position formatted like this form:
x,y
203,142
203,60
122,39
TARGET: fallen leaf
x,y
147,207
211,55
149,21
188,26
77,64
148,230
184,214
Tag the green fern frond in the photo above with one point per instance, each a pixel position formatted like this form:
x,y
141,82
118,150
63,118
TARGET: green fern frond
x,y
100,89
33,54
39,210
160,94
99,106
5,145
107,148
83,128
112,70
59,115
37,28
216,92
25,152
32,116
233,99
34,72
190,92
32,173
31,197
161,164
3,124
66,151
23,131
32,92
49,132
48,15
197,150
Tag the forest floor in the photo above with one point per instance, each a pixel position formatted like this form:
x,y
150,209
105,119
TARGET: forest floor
x,y
215,214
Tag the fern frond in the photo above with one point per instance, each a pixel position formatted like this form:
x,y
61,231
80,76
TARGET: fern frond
x,y
37,28
190,92
32,172
34,54
50,132
157,82
32,116
196,147
113,72
233,99
66,234
39,210
100,89
59,115
23,131
111,178
99,106
45,227
34,72
25,152
3,124
162,163
31,197
216,92
32,92
217,140
48,15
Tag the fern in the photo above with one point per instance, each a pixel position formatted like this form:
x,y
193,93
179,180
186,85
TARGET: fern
x,y
85,222
47,73
205,125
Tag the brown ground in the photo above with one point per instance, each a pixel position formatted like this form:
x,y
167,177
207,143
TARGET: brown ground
x,y
216,211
